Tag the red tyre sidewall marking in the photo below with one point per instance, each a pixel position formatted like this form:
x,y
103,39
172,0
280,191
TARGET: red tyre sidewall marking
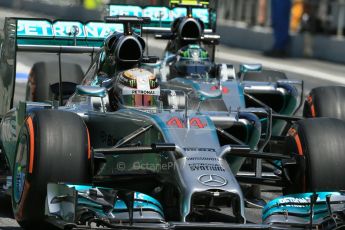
x,y
311,104
292,132
20,213
88,144
30,125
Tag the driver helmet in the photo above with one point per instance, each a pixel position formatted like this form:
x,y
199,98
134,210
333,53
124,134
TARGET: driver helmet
x,y
137,88
193,60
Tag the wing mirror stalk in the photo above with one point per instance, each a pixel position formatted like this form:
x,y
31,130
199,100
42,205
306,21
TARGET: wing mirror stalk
x,y
92,91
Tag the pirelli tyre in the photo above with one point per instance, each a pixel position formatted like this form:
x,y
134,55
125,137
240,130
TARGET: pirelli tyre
x,y
320,144
44,78
53,146
265,75
327,101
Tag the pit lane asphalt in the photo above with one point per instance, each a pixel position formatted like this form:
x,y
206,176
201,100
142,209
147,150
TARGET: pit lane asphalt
x,y
314,73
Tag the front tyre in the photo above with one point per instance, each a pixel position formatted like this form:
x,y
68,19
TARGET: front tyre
x,y
325,101
53,146
320,142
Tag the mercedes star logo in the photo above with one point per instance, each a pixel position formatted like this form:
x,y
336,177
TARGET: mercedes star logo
x,y
212,180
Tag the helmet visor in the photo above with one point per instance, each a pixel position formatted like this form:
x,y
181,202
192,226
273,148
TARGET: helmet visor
x,y
191,67
140,100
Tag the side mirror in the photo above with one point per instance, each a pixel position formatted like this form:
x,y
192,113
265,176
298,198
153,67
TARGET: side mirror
x,y
245,68
249,68
92,91
204,95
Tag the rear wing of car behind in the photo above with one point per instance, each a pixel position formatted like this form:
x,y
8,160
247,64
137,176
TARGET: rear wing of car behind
x,y
52,36
162,17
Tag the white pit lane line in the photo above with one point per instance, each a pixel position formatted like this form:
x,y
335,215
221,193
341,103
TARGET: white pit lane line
x,y
22,68
272,63
284,67
231,55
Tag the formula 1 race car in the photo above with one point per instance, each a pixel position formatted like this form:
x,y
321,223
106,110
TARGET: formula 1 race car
x,y
120,154
188,65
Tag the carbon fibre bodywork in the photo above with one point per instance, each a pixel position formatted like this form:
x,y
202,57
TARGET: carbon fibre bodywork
x,y
193,157
171,166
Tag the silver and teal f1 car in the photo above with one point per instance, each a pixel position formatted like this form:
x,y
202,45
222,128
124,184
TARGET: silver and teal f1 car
x,y
119,153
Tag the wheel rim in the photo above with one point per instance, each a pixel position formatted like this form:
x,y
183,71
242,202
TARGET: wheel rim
x,y
20,168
